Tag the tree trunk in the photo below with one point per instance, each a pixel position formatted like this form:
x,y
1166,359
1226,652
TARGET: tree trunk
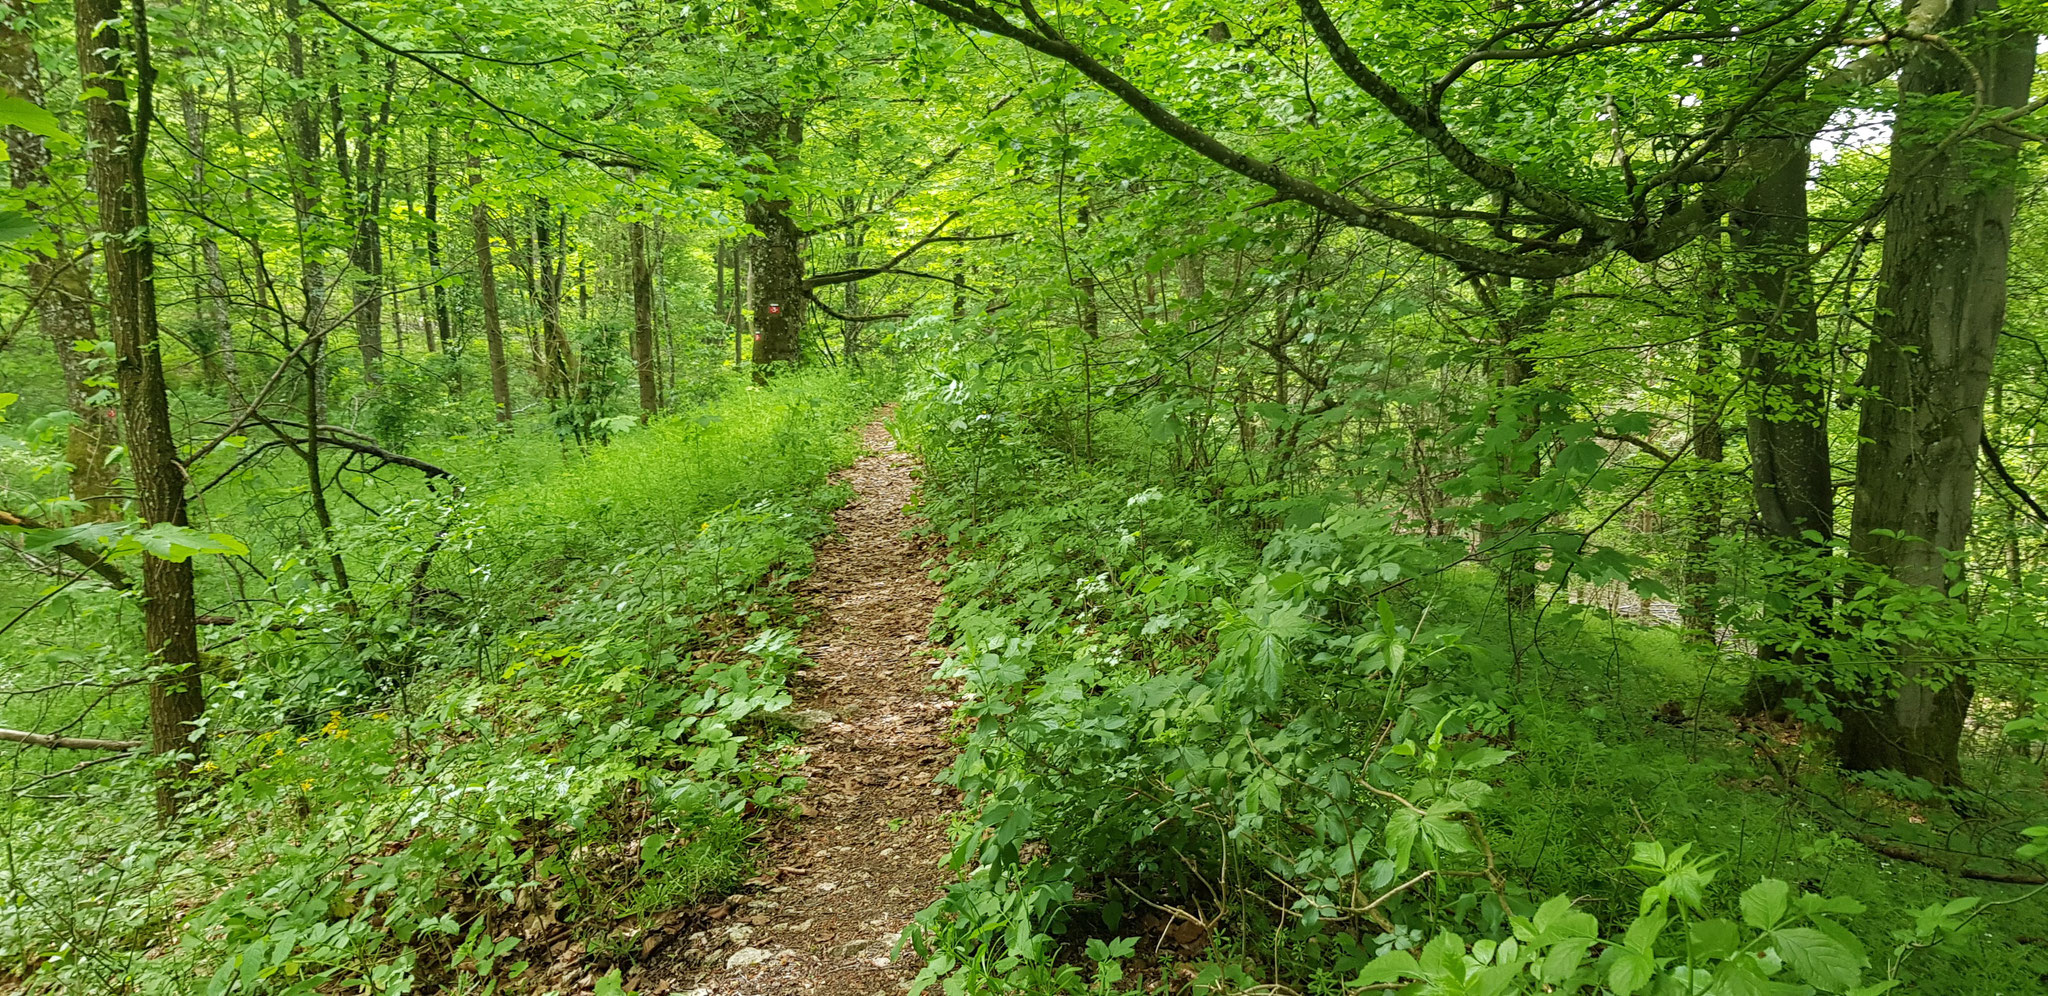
x,y
60,287
363,184
1704,511
1518,318
304,171
1786,366
643,320
1940,307
434,238
778,272
487,292
550,262
849,301
217,349
718,300
118,147
775,264
582,290
737,300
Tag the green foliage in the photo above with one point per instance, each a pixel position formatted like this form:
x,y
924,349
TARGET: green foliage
x,y
1318,750
566,736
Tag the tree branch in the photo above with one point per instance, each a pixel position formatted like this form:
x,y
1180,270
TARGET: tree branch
x,y
1636,441
2005,477
67,743
812,283
1048,41
90,560
827,309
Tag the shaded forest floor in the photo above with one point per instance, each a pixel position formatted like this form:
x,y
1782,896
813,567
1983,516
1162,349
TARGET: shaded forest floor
x,y
839,883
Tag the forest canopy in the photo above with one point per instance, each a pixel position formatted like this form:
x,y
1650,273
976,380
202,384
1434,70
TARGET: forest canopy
x,y
1437,496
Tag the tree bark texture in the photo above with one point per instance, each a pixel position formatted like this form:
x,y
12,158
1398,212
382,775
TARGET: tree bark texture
x,y
1940,308
1786,366
118,145
59,279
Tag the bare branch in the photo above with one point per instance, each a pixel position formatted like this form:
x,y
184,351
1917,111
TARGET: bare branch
x,y
67,743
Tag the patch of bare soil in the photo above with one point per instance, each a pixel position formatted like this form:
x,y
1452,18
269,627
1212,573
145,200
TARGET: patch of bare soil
x,y
843,880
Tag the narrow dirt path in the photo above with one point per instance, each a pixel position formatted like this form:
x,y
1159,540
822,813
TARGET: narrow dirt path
x,y
842,881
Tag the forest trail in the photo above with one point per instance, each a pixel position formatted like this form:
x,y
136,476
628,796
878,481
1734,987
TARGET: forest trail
x,y
841,882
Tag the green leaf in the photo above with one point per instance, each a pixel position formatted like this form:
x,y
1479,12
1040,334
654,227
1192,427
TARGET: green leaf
x,y
1763,904
1394,966
1714,939
180,543
610,985
19,113
1818,958
1630,971
15,226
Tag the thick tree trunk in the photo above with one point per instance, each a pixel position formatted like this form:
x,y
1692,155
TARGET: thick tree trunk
x,y
487,293
643,320
775,263
60,286
1940,308
118,145
1786,366
778,294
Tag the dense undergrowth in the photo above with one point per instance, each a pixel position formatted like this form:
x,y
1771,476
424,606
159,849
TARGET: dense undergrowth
x,y
480,776
1238,737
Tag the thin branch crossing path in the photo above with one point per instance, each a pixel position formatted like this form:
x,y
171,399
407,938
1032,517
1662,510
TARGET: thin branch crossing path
x,y
839,884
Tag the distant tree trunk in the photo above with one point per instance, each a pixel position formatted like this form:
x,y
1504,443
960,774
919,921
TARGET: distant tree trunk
x,y
1091,330
582,290
1786,363
118,148
304,170
718,298
487,291
395,273
1941,303
960,287
737,300
643,320
549,261
362,183
849,303
217,346
1518,317
60,286
441,327
1704,508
